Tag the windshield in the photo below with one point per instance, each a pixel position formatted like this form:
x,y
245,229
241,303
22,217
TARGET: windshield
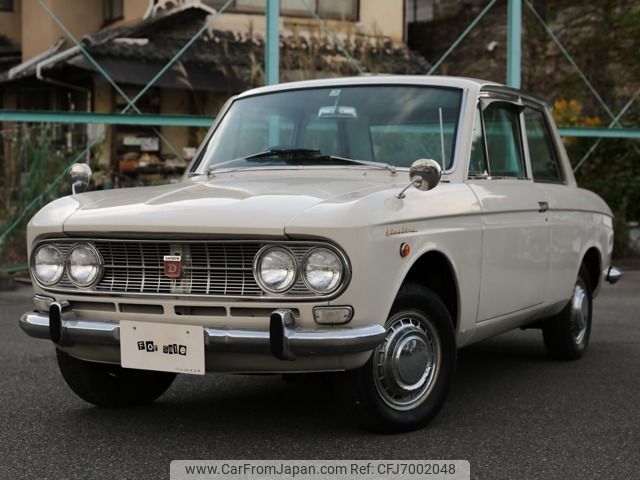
x,y
395,125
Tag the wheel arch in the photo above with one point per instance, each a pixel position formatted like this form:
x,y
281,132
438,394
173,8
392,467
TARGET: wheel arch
x,y
592,260
434,270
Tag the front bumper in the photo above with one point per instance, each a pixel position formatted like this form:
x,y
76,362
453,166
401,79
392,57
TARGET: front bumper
x,y
283,339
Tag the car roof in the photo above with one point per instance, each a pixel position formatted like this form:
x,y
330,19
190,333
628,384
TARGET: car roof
x,y
428,80
474,85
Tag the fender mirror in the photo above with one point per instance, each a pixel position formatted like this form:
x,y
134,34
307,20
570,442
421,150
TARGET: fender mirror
x,y
80,177
424,175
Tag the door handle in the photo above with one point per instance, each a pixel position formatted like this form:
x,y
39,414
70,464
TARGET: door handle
x,y
543,206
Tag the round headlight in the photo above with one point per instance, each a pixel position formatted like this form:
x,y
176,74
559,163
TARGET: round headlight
x,y
83,265
48,265
322,270
275,269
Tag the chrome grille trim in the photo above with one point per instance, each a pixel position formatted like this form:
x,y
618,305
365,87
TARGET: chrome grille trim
x,y
214,269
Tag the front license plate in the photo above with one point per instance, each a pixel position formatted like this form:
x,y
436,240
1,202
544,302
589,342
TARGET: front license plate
x,y
162,347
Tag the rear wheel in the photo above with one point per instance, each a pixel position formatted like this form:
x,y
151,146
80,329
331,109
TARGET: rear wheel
x,y
406,380
111,386
566,335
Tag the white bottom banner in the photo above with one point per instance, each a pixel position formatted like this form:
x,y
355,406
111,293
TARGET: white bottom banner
x,y
320,469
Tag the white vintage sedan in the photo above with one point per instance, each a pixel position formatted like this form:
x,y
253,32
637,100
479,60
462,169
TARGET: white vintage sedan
x,y
368,225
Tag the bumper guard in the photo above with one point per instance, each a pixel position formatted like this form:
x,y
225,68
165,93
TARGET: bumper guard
x,y
613,274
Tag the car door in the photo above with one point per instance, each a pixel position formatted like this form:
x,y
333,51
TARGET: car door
x,y
516,238
564,222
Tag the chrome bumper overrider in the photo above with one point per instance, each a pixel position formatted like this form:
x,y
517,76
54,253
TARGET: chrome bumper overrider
x,y
613,274
283,339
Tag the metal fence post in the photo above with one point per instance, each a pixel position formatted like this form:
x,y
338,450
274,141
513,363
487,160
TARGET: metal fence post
x,y
272,43
514,43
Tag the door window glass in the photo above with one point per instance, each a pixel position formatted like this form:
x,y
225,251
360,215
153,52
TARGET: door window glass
x,y
544,161
502,134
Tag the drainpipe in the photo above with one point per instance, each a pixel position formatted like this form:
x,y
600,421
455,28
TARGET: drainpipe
x,y
55,58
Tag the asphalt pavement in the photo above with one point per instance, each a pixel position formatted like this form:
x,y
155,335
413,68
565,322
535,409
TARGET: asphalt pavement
x,y
512,413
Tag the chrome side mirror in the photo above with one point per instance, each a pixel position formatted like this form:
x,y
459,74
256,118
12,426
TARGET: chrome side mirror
x,y
424,175
80,177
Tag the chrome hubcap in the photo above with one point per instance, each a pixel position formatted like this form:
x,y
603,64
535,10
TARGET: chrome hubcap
x,y
579,314
406,364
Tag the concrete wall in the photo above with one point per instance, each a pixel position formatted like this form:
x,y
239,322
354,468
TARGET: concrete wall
x,y
383,16
10,24
134,9
39,32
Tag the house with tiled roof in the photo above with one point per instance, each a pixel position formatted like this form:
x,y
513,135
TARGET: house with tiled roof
x,y
133,39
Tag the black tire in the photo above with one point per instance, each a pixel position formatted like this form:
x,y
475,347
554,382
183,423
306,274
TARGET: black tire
x,y
111,386
370,391
566,335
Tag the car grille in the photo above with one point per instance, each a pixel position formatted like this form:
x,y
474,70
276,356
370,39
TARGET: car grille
x,y
214,268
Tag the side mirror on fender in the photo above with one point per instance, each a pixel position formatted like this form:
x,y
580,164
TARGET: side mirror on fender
x,y
80,177
424,174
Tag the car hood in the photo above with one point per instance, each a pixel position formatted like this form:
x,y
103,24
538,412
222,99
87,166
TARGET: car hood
x,y
239,203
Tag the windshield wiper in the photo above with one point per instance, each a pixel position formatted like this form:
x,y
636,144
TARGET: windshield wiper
x,y
274,152
300,155
385,166
285,152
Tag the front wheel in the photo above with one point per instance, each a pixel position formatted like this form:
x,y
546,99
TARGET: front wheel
x,y
405,382
566,335
111,386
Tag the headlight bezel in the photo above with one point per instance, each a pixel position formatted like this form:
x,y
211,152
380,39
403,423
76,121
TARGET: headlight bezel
x,y
300,277
38,280
258,261
99,265
341,261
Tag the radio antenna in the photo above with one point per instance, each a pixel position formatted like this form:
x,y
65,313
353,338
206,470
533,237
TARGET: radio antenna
x,y
441,137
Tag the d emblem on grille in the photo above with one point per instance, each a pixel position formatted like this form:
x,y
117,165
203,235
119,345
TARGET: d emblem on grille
x,y
173,266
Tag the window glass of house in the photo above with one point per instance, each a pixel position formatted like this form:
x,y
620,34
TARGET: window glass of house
x,y
333,9
296,7
338,9
217,4
287,7
249,4
113,10
6,5
544,160
503,140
